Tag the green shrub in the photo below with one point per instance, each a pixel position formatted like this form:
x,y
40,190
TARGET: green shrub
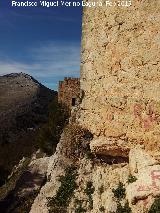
x,y
123,209
131,179
64,194
155,208
79,208
102,209
89,191
119,193
49,134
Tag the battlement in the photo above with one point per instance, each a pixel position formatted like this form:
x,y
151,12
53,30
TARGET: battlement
x,y
69,91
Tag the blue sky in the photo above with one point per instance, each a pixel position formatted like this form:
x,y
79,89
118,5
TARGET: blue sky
x,y
43,42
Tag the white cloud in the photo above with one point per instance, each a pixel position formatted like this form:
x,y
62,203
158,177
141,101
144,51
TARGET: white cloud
x,y
12,67
52,59
58,58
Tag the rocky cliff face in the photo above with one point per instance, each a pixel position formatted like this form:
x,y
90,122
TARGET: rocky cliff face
x,y
23,109
98,184
23,104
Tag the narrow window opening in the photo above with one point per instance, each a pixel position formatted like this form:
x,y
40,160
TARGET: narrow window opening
x,y
73,101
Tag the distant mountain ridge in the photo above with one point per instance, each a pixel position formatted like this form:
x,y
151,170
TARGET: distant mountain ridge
x,y
20,93
25,75
23,109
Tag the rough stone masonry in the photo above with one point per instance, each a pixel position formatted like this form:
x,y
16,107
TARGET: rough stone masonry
x,y
69,92
120,73
120,93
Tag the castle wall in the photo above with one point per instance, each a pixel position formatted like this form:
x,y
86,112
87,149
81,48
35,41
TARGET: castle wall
x,y
120,72
68,92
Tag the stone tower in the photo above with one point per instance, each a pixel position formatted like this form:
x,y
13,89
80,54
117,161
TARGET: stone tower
x,y
68,92
120,72
120,94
